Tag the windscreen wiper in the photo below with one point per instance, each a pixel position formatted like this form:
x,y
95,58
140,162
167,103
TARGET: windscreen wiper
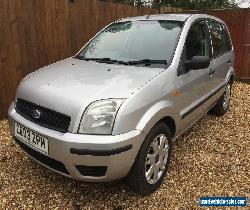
x,y
147,62
91,59
102,60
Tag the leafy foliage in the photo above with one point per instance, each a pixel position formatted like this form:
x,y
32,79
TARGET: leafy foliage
x,y
186,4
131,2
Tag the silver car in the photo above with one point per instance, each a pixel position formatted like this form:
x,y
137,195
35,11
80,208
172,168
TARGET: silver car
x,y
114,109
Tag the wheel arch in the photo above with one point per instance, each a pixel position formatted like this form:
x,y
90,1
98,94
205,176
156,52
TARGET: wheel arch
x,y
161,112
231,79
170,122
230,76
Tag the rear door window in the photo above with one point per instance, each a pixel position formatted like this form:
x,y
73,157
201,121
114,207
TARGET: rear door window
x,y
220,38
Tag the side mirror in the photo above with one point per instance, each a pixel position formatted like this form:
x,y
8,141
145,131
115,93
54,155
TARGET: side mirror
x,y
197,62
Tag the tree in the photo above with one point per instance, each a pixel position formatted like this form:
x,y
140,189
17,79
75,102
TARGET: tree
x,y
186,4
131,2
196,4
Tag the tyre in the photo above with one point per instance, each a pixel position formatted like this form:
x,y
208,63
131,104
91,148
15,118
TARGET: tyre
x,y
222,104
152,161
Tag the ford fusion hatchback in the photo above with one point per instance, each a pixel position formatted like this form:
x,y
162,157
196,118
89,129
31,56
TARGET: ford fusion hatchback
x,y
114,109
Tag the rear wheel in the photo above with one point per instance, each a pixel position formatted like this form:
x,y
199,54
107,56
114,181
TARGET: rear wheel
x,y
222,104
152,161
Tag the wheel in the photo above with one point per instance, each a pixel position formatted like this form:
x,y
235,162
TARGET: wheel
x,y
152,161
222,104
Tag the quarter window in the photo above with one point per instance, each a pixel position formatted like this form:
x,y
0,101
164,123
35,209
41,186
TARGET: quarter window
x,y
227,39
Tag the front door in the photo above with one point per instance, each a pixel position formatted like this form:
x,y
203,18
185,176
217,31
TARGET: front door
x,y
196,84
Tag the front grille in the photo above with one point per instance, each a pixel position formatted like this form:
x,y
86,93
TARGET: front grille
x,y
47,118
55,164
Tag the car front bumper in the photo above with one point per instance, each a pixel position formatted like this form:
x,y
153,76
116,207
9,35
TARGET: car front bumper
x,y
92,158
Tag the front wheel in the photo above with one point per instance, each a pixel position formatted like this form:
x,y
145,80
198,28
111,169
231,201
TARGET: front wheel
x,y
222,104
152,161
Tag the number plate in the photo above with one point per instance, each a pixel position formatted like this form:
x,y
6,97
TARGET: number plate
x,y
31,138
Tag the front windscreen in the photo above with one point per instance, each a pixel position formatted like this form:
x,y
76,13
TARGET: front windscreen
x,y
135,40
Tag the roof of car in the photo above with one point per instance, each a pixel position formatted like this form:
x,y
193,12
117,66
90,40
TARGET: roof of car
x,y
172,16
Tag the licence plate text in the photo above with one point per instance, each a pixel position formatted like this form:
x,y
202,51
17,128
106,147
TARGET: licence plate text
x,y
33,139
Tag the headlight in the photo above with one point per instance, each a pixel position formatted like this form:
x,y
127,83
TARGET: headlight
x,y
99,117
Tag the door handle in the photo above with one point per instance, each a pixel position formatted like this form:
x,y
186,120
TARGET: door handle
x,y
211,72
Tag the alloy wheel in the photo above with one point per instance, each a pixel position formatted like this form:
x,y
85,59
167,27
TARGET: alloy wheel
x,y
156,159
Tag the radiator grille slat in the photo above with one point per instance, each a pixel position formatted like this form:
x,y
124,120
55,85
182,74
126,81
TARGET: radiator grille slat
x,y
48,118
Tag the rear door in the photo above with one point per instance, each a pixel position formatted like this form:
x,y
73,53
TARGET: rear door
x,y
222,51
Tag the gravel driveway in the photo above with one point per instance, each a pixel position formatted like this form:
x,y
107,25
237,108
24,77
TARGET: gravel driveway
x,y
211,159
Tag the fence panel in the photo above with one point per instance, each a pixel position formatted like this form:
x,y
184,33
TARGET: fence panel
x,y
36,33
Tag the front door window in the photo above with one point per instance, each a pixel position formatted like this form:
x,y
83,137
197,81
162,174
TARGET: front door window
x,y
198,43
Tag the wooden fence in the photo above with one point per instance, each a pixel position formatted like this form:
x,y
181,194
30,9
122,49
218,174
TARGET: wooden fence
x,y
35,33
